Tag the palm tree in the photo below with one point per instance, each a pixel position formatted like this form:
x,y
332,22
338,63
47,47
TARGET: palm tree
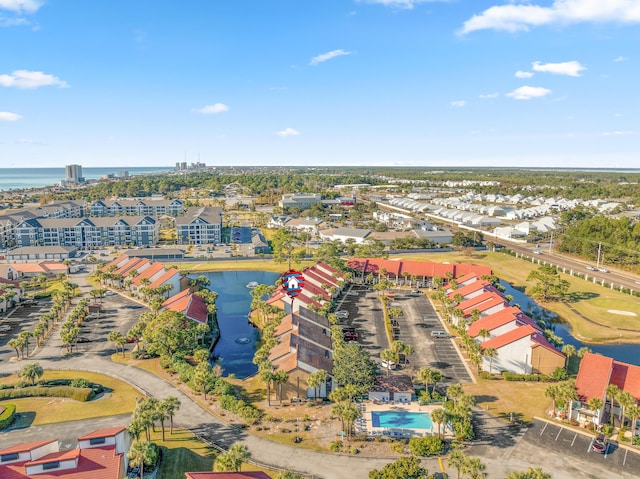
x,y
484,334
612,393
266,373
317,379
407,351
143,452
626,400
232,459
31,372
171,404
582,351
440,417
454,392
633,412
15,344
473,467
203,377
595,404
279,379
457,459
428,376
490,353
390,356
569,350
553,392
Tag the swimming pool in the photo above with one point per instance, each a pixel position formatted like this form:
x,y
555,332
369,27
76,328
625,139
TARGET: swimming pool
x,y
401,419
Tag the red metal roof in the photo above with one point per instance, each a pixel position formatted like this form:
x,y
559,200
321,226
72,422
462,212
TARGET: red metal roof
x,y
56,456
164,278
417,268
148,273
468,288
481,302
626,377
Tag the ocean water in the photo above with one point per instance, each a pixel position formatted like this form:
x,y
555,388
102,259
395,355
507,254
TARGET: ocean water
x,y
16,178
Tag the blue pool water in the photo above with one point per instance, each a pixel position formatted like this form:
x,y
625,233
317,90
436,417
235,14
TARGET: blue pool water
x,y
401,419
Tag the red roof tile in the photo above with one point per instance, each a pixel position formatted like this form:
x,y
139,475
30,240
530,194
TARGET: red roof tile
x,y
626,377
501,318
108,432
417,268
508,338
481,302
593,376
164,278
469,288
148,273
27,446
56,456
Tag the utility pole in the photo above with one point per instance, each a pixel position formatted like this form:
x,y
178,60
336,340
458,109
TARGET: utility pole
x,y
599,250
551,244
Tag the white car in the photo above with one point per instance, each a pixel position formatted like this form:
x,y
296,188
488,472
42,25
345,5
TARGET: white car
x,y
342,314
591,268
603,270
387,364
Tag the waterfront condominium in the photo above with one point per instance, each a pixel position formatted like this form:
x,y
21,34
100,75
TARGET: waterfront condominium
x,y
74,173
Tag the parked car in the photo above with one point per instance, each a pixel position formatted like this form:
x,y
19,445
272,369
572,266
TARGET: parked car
x,y
83,340
342,314
599,444
415,291
537,251
387,364
591,268
440,334
603,270
350,336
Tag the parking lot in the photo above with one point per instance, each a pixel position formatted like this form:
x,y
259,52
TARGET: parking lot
x,y
22,318
415,326
575,447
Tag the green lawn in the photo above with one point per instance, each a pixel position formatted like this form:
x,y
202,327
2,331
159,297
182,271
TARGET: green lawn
x,y
119,400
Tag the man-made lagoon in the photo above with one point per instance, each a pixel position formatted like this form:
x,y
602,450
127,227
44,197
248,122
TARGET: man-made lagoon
x,y
238,338
627,353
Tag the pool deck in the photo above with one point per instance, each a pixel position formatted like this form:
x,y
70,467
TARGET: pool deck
x,y
368,406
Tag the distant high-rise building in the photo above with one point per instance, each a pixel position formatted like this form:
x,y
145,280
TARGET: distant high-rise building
x,y
74,173
123,174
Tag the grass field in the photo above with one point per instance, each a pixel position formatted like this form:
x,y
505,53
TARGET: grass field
x,y
499,398
119,400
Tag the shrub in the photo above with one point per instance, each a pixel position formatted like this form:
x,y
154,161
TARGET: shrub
x,y
398,446
426,446
228,402
79,394
335,446
636,441
485,375
80,383
607,430
6,418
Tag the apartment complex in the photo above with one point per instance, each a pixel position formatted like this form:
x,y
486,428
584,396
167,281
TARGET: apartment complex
x,y
140,207
200,226
87,232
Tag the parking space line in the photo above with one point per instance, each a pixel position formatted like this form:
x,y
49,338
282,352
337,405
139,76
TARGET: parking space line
x,y
624,461
574,439
558,435
545,426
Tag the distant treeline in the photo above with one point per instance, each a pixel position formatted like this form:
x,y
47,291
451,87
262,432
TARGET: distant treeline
x,y
617,238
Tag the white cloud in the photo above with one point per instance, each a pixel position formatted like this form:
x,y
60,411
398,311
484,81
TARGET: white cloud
x,y
328,56
621,133
620,59
212,109
485,96
25,79
13,22
287,132
528,92
20,6
521,74
522,17
571,69
458,103
8,116
406,4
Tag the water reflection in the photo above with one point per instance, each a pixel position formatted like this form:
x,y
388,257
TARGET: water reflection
x,y
238,338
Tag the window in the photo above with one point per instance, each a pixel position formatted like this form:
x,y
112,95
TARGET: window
x,y
97,440
50,465
9,457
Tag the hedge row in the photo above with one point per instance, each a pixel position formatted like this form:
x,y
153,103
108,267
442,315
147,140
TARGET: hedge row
x,y
79,394
237,406
6,418
525,377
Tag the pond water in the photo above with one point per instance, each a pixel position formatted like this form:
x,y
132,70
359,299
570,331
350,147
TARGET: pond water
x,y
238,338
627,353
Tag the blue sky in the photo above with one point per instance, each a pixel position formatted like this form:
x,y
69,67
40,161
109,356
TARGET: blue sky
x,y
320,82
